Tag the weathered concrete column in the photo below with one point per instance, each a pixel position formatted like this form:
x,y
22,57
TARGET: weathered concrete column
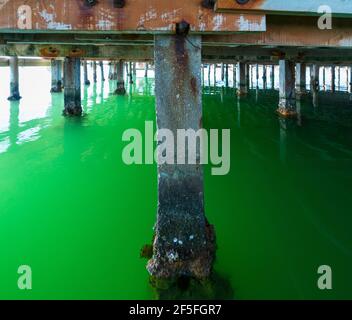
x,y
226,75
247,66
111,72
120,89
242,79
314,78
215,66
324,78
287,103
272,76
222,71
146,70
301,82
257,75
56,76
95,71
184,242
350,80
85,73
338,78
72,82
101,65
264,77
333,87
14,80
234,75
209,65
130,73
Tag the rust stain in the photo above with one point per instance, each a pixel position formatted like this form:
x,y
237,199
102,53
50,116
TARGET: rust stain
x,y
137,15
76,53
50,52
194,85
231,4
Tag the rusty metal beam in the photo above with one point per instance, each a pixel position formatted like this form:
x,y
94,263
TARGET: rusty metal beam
x,y
137,16
300,7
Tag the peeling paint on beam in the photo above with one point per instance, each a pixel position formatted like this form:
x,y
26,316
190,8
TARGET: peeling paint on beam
x,y
138,16
339,7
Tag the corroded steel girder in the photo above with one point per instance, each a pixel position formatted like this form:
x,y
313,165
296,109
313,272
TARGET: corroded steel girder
x,y
299,7
137,16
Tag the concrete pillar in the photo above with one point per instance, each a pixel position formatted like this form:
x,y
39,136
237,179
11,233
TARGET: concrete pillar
x,y
101,65
227,75
111,72
264,77
247,66
333,87
338,78
234,76
146,70
257,75
14,80
209,65
324,78
350,80
301,76
130,66
72,82
120,89
287,103
184,241
272,76
95,71
134,69
85,73
222,72
242,79
56,75
215,66
314,78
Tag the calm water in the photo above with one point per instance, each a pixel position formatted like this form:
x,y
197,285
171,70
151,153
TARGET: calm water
x,y
78,216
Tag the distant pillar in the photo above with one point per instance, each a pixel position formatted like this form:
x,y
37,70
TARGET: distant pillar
x,y
94,71
56,75
111,72
134,69
215,66
72,82
234,76
120,89
222,72
257,75
287,103
146,70
14,80
85,73
333,87
247,67
272,76
227,75
183,241
131,73
264,77
242,79
350,80
324,78
209,66
301,76
314,78
101,65
338,78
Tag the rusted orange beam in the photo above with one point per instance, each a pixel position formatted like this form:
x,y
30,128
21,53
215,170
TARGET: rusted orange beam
x,y
137,16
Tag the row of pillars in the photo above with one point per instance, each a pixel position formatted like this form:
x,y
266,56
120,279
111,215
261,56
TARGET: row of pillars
x,y
292,80
67,74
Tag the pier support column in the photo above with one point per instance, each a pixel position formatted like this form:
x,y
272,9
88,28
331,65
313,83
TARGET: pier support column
x,y
146,70
95,72
242,78
264,77
14,80
110,76
301,82
72,83
272,76
234,75
287,103
333,78
184,241
120,89
101,65
314,78
85,73
350,80
56,76
130,67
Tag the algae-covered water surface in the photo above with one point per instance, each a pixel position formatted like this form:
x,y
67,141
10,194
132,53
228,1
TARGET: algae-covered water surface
x,y
72,210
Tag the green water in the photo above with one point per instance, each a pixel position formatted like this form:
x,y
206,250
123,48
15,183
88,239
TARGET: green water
x,y
71,209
